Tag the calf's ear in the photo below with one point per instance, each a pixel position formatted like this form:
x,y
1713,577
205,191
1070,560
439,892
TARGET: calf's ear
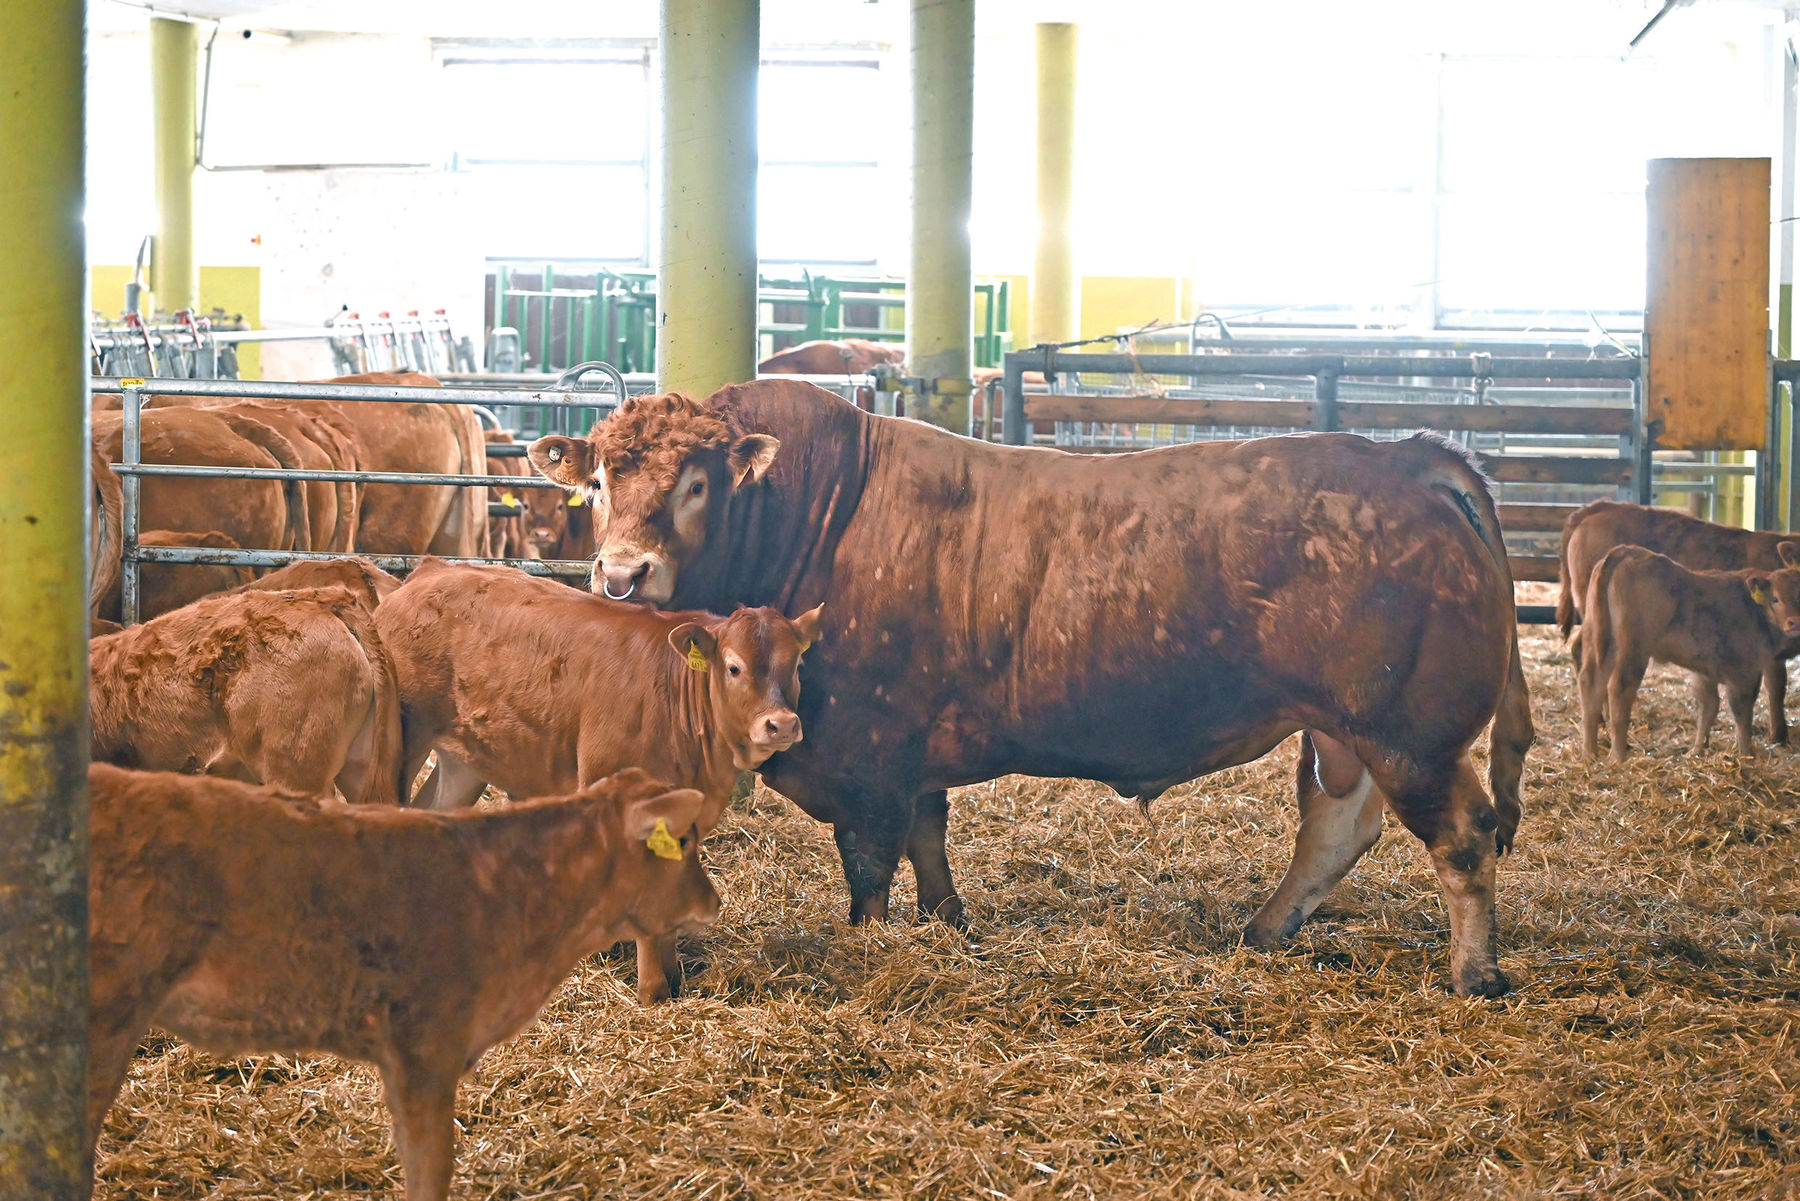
x,y
750,457
1790,554
660,821
695,643
807,624
565,461
1759,588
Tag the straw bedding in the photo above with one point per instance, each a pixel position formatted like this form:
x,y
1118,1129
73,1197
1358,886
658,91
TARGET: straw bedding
x,y
1099,1034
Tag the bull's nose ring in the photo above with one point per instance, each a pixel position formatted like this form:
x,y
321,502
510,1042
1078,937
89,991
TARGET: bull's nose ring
x,y
607,592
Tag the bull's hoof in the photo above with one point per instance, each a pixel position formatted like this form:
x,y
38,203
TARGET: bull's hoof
x,y
949,910
1483,982
658,989
1267,933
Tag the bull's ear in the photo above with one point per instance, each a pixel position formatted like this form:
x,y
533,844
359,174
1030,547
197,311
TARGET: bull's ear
x,y
660,821
565,461
750,457
807,624
1759,588
695,643
1790,554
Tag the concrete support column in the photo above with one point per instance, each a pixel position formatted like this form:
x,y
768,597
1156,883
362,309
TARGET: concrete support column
x,y
43,607
939,318
1055,286
706,266
174,51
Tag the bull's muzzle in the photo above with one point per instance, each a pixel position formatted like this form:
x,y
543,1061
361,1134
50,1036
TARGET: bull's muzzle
x,y
621,581
775,730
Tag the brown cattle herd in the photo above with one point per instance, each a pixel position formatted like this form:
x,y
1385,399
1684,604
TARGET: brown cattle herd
x,y
866,610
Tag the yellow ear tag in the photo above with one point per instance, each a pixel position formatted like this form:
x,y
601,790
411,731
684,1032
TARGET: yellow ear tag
x,y
662,844
695,659
509,500
1759,594
576,500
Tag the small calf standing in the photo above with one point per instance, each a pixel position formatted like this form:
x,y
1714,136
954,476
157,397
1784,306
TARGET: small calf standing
x,y
1724,626
241,920
538,688
288,688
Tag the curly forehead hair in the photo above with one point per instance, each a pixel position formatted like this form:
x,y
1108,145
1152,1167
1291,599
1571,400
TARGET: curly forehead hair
x,y
658,432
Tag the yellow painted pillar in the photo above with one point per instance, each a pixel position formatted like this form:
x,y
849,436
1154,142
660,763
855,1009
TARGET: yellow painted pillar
x,y
706,270
174,274
939,301
1055,287
43,607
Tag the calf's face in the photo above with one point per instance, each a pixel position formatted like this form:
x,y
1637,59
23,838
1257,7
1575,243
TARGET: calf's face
x,y
1783,603
546,517
658,873
752,661
661,482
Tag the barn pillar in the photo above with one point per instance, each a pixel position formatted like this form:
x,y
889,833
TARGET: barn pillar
x,y
939,306
43,607
174,273
1055,287
706,265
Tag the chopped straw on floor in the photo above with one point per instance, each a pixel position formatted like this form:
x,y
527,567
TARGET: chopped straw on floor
x,y
1098,1033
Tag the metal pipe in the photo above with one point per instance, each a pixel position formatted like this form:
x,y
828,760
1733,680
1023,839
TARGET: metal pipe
x,y
571,378
1055,285
939,300
706,273
1233,363
43,608
174,57
257,389
560,568
131,469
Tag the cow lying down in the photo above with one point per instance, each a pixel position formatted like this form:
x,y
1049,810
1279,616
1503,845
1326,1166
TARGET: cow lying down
x,y
289,688
538,688
1724,626
242,920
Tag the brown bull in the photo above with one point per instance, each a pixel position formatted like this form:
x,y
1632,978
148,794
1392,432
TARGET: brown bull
x,y
1723,626
242,920
537,689
1698,545
1138,619
506,535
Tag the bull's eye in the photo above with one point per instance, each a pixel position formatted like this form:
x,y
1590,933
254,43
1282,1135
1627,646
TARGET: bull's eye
x,y
698,489
734,669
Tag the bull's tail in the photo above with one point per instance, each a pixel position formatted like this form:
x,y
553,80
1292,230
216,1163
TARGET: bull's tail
x,y
385,783
1565,597
293,491
1472,492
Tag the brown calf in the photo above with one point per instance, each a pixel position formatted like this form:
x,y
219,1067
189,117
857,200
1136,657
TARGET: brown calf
x,y
559,525
1698,545
291,689
1723,626
367,582
538,688
506,535
165,587
241,920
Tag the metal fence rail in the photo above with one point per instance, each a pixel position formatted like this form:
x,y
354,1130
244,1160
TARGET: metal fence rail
x,y
133,469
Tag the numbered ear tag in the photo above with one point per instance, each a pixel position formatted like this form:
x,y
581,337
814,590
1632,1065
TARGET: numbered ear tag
x,y
662,844
695,659
576,500
509,500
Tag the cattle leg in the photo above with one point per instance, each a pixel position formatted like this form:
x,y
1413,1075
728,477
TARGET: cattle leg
x,y
871,850
452,784
1590,684
1340,819
1621,694
109,1060
1460,837
1706,710
422,1099
1775,684
931,862
659,969
1741,696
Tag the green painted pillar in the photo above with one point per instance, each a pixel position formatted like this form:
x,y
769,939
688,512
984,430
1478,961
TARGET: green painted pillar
x,y
706,270
174,273
939,301
1055,287
43,607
